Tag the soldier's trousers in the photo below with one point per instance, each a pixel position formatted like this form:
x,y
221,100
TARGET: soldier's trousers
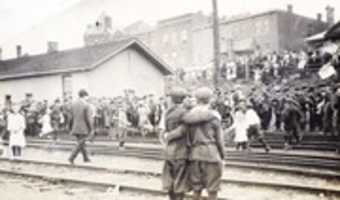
x,y
175,177
80,148
255,134
292,133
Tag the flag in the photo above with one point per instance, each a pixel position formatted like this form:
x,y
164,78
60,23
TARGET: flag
x,y
302,64
327,71
331,48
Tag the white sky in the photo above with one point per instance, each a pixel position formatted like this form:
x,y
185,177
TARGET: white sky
x,y
17,16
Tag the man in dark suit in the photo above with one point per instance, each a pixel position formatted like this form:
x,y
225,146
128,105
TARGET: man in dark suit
x,y
81,125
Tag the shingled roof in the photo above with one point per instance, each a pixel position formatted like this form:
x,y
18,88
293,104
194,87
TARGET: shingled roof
x,y
334,32
80,59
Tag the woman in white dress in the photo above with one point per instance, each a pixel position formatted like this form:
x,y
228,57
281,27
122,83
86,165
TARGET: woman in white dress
x,y
240,126
16,126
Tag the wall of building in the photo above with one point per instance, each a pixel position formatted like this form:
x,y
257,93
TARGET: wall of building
x,y
128,70
294,28
173,43
45,87
203,51
259,31
79,81
173,39
248,34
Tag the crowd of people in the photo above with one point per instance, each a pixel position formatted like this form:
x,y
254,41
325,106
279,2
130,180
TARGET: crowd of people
x,y
292,107
113,117
261,67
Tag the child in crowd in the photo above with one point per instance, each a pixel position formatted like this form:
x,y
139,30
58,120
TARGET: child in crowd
x,y
45,121
123,123
16,126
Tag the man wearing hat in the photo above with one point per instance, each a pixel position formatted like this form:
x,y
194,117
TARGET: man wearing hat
x,y
292,118
81,125
205,139
175,170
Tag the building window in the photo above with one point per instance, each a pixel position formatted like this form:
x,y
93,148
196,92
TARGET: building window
x,y
67,85
184,35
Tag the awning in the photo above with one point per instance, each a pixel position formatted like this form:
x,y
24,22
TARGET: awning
x,y
334,32
316,38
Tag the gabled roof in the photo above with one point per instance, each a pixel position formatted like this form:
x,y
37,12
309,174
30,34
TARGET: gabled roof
x,y
73,60
334,32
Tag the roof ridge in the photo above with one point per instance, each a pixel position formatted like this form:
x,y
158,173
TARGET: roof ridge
x,y
73,49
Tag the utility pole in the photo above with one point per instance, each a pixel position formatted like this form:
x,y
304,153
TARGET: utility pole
x,y
216,36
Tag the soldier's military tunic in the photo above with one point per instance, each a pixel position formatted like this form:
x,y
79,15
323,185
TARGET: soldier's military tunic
x,y
175,171
205,139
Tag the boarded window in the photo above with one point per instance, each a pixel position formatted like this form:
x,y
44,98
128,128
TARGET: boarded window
x,y
67,85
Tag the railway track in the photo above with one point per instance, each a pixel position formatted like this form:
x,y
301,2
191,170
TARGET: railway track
x,y
317,162
101,176
311,141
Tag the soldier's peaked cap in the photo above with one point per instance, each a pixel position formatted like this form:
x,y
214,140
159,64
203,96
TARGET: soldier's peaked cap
x,y
178,92
204,93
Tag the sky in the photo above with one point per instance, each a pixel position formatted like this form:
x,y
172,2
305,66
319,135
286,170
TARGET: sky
x,y
21,17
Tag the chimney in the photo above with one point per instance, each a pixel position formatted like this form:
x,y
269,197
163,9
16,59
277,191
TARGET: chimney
x,y
319,17
52,46
108,22
330,15
290,8
19,51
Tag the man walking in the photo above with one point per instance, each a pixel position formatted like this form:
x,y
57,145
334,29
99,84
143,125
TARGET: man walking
x,y
253,123
292,118
81,125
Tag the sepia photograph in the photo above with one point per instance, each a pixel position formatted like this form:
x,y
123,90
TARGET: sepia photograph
x,y
169,100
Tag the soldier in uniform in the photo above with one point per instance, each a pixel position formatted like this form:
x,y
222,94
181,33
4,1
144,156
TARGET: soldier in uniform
x,y
175,171
292,118
206,146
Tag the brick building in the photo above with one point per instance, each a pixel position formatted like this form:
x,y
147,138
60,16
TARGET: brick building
x,y
186,41
275,30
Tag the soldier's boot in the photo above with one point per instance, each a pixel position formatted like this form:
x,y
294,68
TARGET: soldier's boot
x,y
179,197
265,145
172,195
212,195
197,195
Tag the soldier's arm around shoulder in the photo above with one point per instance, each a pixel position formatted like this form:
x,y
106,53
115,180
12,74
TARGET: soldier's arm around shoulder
x,y
176,133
